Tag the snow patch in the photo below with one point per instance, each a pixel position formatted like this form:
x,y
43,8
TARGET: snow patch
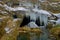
x,y
13,9
41,11
8,30
58,15
58,21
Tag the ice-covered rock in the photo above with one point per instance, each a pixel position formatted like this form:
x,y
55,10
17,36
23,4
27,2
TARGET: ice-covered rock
x,y
58,15
13,9
41,11
42,0
16,9
58,21
32,25
43,16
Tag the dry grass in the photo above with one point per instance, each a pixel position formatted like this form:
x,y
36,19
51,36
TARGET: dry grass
x,y
55,32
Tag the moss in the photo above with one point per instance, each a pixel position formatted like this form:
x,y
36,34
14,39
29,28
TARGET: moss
x,y
56,32
57,26
13,34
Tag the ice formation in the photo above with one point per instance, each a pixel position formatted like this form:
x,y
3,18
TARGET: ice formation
x,y
32,25
13,9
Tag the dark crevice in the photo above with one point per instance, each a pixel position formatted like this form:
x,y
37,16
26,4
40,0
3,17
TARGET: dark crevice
x,y
25,21
14,16
37,22
59,35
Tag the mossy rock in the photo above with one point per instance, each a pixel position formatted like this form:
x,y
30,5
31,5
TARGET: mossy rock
x,y
54,0
24,29
28,29
49,26
12,35
3,23
55,32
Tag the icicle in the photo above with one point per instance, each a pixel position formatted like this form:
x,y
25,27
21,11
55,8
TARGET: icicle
x,y
45,20
33,16
40,17
32,20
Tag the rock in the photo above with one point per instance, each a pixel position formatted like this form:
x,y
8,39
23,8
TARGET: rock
x,y
12,30
55,32
3,23
24,29
32,25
